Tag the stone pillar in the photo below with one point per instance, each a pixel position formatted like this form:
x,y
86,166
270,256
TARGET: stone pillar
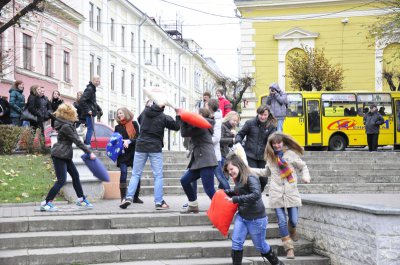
x,y
92,187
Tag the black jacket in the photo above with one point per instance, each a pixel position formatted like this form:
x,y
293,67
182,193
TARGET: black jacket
x,y
67,135
33,105
153,122
256,134
203,154
5,109
88,101
226,138
372,121
45,108
55,103
249,199
129,153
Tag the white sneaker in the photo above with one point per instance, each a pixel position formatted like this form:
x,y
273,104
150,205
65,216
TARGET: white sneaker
x,y
48,207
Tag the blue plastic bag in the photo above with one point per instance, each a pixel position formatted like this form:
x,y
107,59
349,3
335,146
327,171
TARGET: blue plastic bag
x,y
115,146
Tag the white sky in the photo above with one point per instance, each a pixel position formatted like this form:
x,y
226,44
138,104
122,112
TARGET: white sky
x,y
219,37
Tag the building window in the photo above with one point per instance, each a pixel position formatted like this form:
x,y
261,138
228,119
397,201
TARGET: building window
x,y
112,77
123,82
132,42
175,70
144,49
122,36
91,11
66,67
112,30
163,62
98,72
151,53
91,66
27,51
98,20
47,60
157,55
132,85
169,66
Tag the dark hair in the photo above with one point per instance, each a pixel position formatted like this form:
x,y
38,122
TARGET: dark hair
x,y
220,90
213,104
373,105
244,171
17,83
204,112
207,94
33,90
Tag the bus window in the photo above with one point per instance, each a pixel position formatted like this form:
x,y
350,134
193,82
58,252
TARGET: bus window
x,y
314,124
264,101
398,114
382,101
338,105
295,105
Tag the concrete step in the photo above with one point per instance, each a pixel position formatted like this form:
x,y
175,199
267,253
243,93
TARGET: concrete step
x,y
137,252
255,260
106,221
78,238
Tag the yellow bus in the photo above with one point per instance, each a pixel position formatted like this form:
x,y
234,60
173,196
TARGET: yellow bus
x,y
335,119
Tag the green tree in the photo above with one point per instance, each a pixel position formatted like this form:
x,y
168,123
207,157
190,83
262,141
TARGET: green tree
x,y
312,71
234,89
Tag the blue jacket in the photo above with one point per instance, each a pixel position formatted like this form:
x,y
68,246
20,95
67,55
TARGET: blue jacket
x,y
17,102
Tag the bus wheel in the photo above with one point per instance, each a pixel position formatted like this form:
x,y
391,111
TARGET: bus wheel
x,y
337,143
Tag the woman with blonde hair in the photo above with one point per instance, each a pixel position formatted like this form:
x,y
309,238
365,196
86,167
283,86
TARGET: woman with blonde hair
x,y
61,154
284,164
129,129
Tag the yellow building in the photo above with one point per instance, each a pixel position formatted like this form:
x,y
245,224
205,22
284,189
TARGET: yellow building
x,y
271,30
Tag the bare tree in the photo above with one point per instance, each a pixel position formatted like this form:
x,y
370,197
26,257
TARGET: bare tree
x,y
234,89
35,5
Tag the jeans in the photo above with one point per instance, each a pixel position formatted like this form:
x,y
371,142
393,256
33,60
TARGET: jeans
x,y
90,129
223,181
61,167
156,162
124,174
293,214
257,229
279,126
207,178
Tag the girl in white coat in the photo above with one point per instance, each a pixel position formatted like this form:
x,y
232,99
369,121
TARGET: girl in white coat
x,y
284,164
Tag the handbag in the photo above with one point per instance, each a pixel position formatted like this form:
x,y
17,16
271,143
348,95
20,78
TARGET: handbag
x,y
28,116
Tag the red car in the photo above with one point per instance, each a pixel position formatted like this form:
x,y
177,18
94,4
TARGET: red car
x,y
103,133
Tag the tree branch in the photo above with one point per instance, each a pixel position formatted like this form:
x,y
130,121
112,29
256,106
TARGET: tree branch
x,y
31,7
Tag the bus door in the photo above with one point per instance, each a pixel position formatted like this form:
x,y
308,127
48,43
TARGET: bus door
x,y
294,124
396,115
313,122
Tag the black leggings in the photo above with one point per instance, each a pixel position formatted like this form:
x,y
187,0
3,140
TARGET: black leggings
x,y
62,166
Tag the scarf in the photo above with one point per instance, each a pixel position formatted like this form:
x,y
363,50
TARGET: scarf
x,y
130,129
285,170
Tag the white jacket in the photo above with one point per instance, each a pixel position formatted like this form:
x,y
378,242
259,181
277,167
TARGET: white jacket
x,y
216,137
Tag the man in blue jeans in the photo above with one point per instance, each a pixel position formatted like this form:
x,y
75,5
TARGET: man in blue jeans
x,y
89,107
149,145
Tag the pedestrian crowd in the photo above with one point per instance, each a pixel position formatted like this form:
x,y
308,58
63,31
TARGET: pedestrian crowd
x,y
270,154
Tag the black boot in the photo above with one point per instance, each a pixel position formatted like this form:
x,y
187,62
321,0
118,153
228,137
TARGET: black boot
x,y
122,189
237,256
272,258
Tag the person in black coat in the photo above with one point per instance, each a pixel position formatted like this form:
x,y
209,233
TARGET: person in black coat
x,y
55,102
33,105
251,218
257,131
129,130
89,107
4,111
61,154
81,118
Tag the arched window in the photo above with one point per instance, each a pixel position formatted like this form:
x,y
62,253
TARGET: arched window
x,y
391,64
293,52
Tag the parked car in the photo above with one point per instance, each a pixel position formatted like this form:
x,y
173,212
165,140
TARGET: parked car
x,y
103,133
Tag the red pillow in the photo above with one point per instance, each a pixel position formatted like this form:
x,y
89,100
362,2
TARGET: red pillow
x,y
194,119
221,212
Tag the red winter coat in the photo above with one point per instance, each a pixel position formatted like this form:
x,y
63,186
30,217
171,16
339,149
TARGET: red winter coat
x,y
224,105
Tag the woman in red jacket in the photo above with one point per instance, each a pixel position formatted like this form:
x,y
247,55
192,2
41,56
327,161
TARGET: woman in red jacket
x,y
224,105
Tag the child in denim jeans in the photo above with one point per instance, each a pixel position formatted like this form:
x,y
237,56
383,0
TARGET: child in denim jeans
x,y
251,218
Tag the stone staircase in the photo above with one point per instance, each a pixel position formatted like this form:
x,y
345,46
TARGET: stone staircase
x,y
142,238
331,172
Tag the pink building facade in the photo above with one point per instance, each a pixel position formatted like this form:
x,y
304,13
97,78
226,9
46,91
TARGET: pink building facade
x,y
43,51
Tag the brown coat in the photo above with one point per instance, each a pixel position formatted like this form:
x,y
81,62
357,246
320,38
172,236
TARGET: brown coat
x,y
281,192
